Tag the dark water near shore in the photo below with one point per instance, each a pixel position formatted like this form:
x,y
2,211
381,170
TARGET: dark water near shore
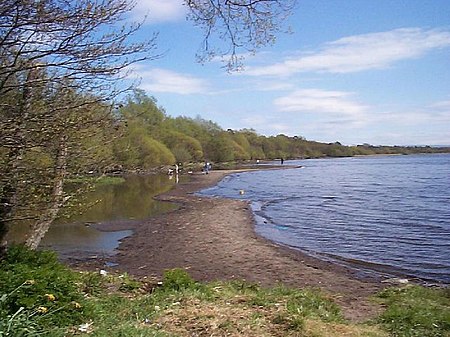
x,y
114,207
386,213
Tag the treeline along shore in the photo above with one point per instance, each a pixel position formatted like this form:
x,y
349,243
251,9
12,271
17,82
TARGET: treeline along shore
x,y
145,137
136,136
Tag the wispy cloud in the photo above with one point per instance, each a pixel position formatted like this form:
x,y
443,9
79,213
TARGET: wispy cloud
x,y
436,113
167,81
361,52
441,107
321,101
273,86
157,11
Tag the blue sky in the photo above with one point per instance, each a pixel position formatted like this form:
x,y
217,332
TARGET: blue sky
x,y
354,71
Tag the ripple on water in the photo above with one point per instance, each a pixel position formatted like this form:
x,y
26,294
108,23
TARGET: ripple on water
x,y
384,211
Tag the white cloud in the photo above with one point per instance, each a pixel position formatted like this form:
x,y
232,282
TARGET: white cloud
x,y
321,101
158,11
163,80
361,52
437,113
273,86
441,107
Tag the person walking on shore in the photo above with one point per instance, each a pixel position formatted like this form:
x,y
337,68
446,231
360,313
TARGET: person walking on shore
x,y
207,167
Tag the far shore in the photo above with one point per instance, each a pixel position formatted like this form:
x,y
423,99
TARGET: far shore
x,y
214,239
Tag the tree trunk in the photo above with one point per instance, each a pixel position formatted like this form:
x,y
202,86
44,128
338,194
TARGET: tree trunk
x,y
43,224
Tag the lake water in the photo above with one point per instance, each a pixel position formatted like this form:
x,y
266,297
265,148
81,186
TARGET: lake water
x,y
390,214
130,201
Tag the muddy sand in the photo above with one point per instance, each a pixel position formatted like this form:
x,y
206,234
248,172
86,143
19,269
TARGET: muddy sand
x,y
214,239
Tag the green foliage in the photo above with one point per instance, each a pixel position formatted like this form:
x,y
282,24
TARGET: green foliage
x,y
44,288
415,311
222,148
184,147
288,322
299,302
313,304
221,308
177,279
128,284
19,324
142,110
138,150
182,155
146,128
92,283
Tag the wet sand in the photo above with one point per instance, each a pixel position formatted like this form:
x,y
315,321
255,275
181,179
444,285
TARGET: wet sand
x,y
214,239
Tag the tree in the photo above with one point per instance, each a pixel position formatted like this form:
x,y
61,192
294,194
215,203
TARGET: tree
x,y
244,25
184,147
142,109
62,61
136,149
221,148
58,60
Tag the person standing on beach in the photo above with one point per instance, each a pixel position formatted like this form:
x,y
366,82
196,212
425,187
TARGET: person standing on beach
x,y
282,160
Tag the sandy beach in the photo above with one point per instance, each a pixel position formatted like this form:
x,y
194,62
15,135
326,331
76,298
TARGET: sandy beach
x,y
214,239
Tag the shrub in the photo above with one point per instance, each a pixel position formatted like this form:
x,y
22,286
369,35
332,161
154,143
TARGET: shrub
x,y
45,289
177,279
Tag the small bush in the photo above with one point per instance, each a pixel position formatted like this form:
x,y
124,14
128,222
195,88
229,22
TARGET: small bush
x,y
46,290
177,279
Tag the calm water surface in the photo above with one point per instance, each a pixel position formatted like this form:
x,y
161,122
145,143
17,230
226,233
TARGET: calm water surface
x,y
120,204
389,213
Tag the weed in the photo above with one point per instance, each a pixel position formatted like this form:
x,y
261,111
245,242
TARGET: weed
x,y
289,322
308,303
41,297
35,284
91,283
128,284
177,279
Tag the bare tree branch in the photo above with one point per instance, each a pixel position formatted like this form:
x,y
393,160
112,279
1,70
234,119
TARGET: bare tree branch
x,y
232,28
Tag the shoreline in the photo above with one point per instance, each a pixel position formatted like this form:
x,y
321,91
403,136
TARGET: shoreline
x,y
215,239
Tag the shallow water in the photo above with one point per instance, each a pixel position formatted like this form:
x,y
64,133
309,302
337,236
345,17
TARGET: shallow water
x,y
118,204
387,213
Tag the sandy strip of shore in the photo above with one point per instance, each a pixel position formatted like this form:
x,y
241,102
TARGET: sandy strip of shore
x,y
214,239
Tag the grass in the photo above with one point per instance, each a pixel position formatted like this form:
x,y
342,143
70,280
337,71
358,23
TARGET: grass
x,y
118,305
415,311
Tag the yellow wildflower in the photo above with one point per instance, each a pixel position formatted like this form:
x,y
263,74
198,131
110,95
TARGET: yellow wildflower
x,y
76,305
50,297
42,310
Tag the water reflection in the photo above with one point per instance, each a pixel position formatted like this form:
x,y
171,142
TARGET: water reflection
x,y
74,241
114,206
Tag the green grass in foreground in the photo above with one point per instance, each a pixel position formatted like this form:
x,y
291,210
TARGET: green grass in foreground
x,y
416,311
40,297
